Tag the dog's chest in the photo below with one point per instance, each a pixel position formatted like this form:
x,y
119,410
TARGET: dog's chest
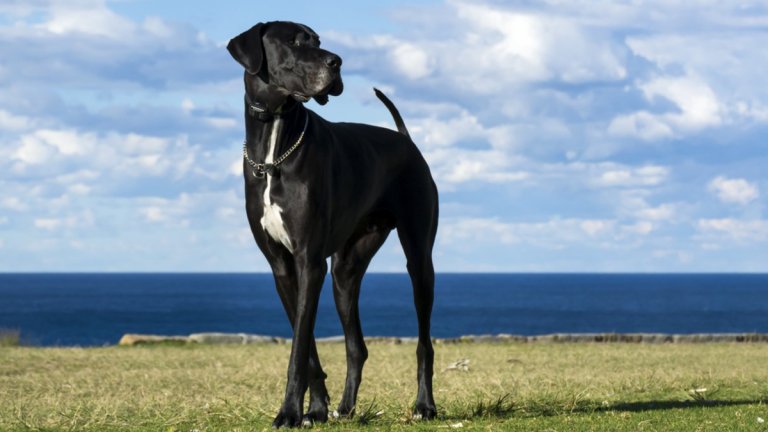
x,y
272,220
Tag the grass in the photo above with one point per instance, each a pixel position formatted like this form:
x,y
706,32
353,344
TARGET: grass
x,y
9,337
516,387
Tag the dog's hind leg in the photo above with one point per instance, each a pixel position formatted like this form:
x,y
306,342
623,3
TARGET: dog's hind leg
x,y
416,231
348,267
286,282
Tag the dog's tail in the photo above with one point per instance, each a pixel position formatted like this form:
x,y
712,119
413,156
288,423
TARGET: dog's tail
x,y
392,110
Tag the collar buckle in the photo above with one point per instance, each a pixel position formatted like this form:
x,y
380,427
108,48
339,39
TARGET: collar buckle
x,y
258,110
260,170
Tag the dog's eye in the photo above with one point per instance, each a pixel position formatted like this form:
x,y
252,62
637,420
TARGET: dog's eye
x,y
301,39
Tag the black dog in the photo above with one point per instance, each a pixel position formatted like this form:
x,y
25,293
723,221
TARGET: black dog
x,y
316,189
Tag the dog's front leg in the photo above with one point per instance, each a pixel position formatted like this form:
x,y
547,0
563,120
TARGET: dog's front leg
x,y
311,273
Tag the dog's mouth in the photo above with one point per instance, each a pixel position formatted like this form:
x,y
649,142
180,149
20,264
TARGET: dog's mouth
x,y
334,88
301,98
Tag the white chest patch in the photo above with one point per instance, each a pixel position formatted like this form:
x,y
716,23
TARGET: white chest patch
x,y
272,221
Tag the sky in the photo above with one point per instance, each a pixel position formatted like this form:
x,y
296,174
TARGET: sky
x,y
572,136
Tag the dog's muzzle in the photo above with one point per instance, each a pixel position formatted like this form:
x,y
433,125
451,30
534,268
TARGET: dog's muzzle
x,y
328,80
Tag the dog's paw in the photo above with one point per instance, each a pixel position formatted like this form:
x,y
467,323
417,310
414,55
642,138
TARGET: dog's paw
x,y
287,418
312,417
344,411
424,412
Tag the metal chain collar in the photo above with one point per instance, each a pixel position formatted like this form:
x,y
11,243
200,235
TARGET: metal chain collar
x,y
260,169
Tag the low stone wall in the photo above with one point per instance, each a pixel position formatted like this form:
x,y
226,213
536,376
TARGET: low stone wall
x,y
650,338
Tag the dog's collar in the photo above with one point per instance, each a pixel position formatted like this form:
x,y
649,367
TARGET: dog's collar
x,y
261,112
261,169
258,110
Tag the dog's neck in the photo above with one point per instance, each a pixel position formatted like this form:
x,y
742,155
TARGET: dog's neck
x,y
282,126
263,112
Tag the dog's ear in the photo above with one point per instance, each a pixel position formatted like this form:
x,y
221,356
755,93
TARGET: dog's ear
x,y
248,49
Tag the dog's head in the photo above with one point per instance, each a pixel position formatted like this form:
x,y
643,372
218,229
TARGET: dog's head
x,y
287,58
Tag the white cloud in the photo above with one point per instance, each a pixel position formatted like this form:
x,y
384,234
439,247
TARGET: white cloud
x,y
460,149
236,167
31,151
727,54
554,233
85,44
174,211
187,105
10,121
697,108
158,27
124,154
664,212
698,104
433,132
665,254
640,228
641,124
190,208
222,122
509,101
735,229
226,213
451,166
154,214
641,218
411,61
595,227
79,189
83,219
87,17
477,228
23,8
737,190
77,177
48,223
623,176
493,49
13,203
722,54
505,44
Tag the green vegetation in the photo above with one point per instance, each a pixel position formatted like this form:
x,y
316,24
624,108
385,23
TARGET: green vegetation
x,y
9,337
516,387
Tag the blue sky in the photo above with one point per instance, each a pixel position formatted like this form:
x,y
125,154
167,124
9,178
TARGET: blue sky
x,y
564,136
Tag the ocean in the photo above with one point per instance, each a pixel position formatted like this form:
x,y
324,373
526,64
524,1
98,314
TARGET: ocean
x,y
97,309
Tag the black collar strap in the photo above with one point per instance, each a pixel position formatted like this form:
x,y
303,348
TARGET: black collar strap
x,y
258,110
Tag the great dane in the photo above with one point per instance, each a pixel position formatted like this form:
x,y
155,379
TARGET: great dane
x,y
315,189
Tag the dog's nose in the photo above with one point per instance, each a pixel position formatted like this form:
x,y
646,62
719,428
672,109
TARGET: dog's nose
x,y
333,61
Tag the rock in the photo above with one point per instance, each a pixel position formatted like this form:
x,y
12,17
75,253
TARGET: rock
x,y
652,338
217,338
387,340
506,337
230,338
484,338
260,339
655,338
139,339
330,339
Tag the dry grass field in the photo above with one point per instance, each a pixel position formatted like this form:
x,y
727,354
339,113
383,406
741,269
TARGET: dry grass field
x,y
521,387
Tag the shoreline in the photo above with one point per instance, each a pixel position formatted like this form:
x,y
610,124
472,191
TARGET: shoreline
x,y
637,338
